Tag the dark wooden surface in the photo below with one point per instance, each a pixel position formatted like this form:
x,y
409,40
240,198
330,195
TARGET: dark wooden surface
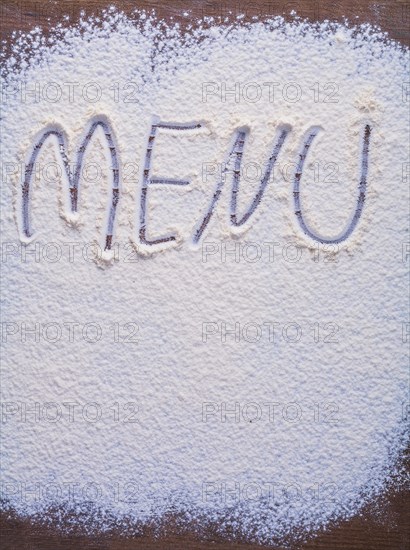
x,y
384,525
392,16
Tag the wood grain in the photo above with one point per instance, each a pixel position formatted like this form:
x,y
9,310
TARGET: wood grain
x,y
393,16
383,525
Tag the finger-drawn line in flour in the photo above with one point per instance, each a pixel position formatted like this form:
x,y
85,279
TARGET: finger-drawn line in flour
x,y
147,180
233,164
74,179
258,197
361,193
235,157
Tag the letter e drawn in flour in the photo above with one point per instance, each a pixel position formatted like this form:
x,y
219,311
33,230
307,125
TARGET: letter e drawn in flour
x,y
147,180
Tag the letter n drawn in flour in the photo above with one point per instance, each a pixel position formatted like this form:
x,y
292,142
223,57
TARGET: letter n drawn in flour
x,y
234,165
74,178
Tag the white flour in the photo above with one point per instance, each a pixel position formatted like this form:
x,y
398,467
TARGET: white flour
x,y
327,382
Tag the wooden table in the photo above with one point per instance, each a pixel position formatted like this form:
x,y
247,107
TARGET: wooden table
x,y
385,525
392,16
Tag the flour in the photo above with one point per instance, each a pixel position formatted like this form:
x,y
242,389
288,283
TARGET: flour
x,y
254,376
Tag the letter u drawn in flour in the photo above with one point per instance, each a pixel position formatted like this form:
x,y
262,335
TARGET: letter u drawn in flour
x,y
361,191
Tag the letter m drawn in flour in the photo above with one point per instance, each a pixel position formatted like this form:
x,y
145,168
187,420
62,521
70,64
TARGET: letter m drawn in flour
x,y
73,177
